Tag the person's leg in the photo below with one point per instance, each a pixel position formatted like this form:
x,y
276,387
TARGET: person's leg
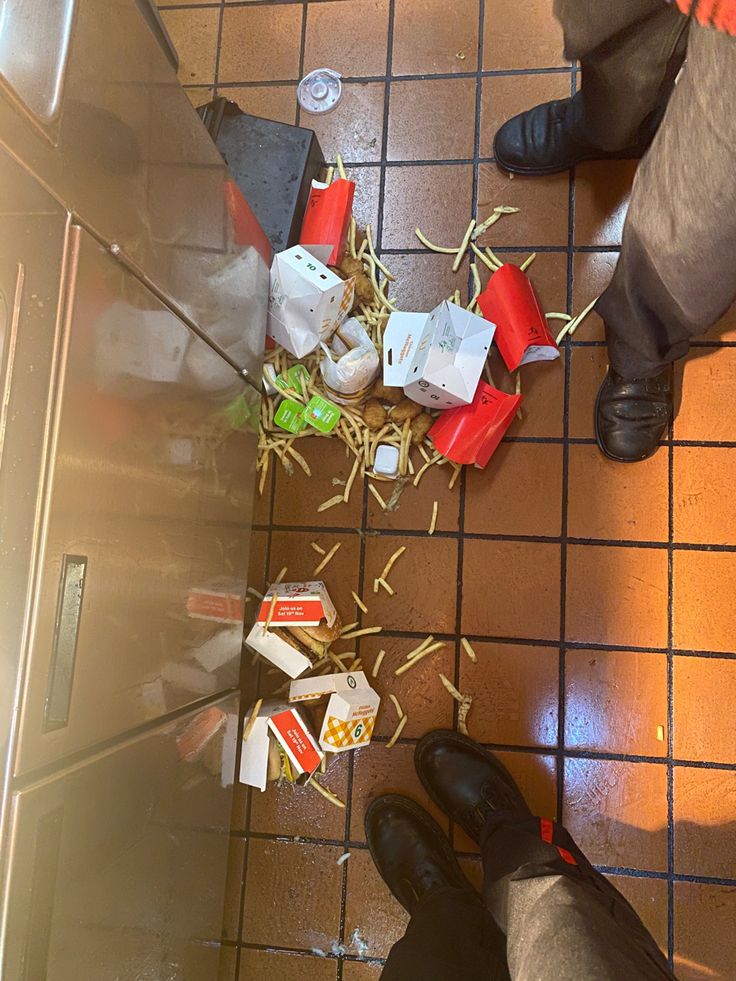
x,y
451,936
630,52
677,274
562,919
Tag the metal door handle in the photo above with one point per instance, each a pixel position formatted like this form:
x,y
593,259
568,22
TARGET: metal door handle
x,y
66,633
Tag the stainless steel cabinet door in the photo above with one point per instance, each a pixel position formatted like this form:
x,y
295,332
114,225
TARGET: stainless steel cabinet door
x,y
117,866
33,231
151,451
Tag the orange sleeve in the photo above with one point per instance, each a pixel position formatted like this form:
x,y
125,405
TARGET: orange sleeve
x,y
720,14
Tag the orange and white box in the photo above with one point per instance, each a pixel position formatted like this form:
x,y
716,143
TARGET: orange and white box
x,y
298,604
350,717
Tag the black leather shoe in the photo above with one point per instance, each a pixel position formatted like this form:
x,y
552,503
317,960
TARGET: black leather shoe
x,y
465,780
632,416
543,140
410,851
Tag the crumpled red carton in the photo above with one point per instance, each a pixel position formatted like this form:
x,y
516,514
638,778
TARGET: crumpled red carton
x,y
471,433
522,335
327,217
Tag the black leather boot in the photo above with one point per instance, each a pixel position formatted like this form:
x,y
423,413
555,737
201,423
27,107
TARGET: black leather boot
x,y
410,851
465,780
632,416
546,140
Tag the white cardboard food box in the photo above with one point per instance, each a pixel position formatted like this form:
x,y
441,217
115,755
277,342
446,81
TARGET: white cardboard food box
x,y
351,712
303,604
436,358
307,301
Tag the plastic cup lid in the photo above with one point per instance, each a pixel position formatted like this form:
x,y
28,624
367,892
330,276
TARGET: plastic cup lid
x,y
320,90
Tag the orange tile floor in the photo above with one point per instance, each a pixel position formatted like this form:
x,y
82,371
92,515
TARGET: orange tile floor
x,y
599,598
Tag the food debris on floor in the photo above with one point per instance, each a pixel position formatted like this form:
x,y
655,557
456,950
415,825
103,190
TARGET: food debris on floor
x,y
403,392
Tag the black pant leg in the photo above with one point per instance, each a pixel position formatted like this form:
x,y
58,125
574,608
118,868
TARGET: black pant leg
x,y
450,937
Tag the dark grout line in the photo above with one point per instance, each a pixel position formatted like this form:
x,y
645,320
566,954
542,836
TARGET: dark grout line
x,y
215,80
374,532
670,704
561,694
508,247
359,845
303,952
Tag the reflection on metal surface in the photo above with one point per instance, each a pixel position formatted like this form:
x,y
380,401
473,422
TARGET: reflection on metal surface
x,y
131,878
127,467
44,873
143,437
130,156
66,632
34,45
8,338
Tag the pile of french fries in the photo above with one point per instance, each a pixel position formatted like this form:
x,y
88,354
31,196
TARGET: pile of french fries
x,y
277,446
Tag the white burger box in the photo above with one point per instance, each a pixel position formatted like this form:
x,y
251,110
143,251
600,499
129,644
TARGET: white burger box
x,y
351,712
437,358
307,301
298,604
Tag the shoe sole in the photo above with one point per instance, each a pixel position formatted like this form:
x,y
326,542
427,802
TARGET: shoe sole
x,y
427,822
554,169
602,446
440,735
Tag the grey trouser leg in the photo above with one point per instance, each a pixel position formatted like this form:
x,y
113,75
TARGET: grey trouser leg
x,y
677,273
630,52
563,920
547,915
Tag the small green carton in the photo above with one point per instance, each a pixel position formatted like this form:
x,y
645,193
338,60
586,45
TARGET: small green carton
x,y
321,414
290,416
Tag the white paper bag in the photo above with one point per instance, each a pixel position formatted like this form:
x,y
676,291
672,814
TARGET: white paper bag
x,y
307,301
349,378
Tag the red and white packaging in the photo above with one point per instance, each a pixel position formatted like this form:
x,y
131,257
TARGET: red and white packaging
x,y
327,217
522,335
204,726
222,600
292,734
471,433
300,604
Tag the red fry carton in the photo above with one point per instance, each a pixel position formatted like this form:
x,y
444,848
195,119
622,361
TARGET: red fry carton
x,y
522,335
296,741
327,217
471,433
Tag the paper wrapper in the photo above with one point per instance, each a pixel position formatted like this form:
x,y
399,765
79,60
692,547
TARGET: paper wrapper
x,y
349,377
522,335
471,433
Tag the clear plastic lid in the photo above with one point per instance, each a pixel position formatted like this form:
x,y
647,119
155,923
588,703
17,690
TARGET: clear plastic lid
x,y
320,90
